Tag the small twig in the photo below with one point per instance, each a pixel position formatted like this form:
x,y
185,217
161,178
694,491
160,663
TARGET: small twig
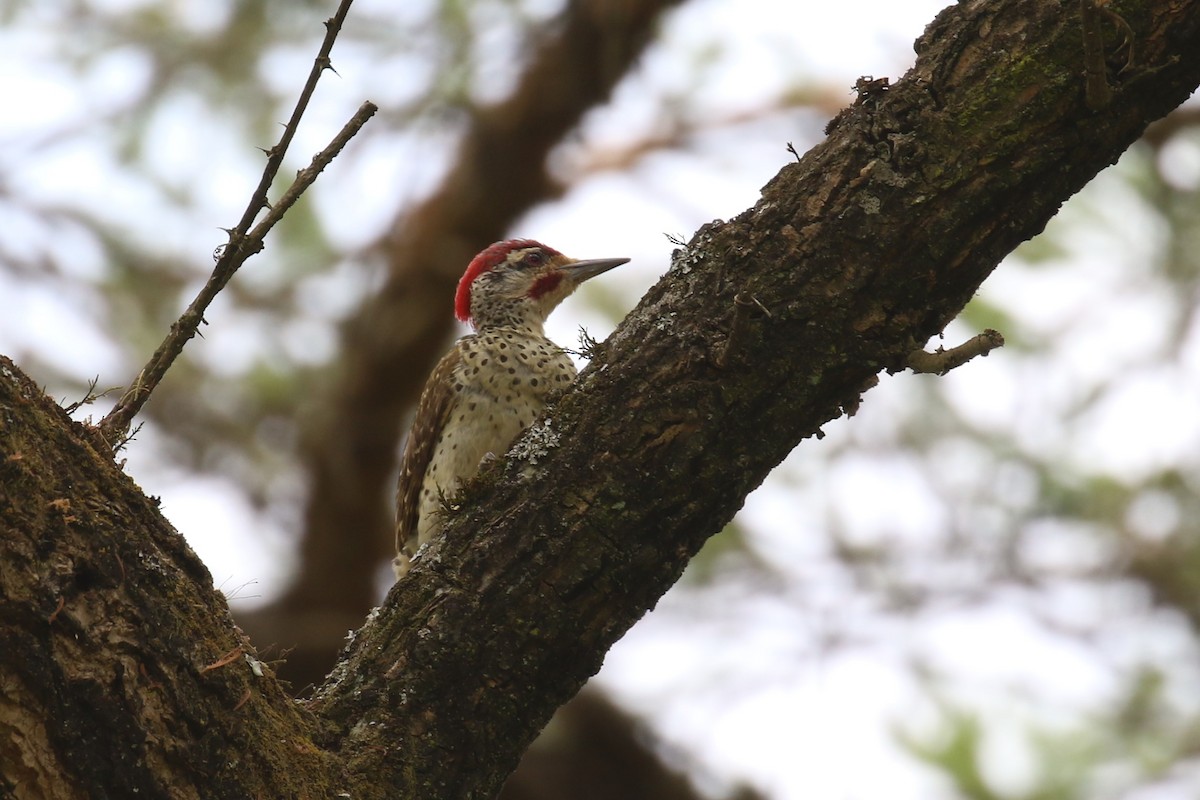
x,y
306,176
125,439
258,201
243,242
90,396
942,361
589,348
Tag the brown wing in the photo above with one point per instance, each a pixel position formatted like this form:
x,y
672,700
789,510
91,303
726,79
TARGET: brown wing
x,y
431,417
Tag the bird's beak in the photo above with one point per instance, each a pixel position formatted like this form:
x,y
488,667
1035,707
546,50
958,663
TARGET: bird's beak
x,y
580,271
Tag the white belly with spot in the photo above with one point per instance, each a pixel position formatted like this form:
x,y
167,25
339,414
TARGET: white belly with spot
x,y
501,386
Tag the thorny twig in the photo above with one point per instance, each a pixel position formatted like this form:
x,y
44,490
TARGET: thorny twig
x,y
243,242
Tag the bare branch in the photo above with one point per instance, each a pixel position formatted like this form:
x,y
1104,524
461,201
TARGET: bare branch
x,y
878,237
942,361
306,176
243,242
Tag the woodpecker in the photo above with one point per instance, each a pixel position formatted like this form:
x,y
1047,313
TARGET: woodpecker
x,y
492,384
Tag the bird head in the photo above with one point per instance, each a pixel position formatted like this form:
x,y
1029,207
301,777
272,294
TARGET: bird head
x,y
518,282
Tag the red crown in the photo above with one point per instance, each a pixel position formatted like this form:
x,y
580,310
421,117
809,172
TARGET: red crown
x,y
491,257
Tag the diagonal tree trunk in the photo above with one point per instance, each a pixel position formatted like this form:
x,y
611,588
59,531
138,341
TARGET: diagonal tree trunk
x,y
121,671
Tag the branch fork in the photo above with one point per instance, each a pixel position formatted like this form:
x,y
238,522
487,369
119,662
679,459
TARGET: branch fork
x,y
243,241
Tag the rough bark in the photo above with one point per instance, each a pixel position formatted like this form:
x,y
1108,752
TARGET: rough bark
x,y
121,673
500,172
874,240
350,443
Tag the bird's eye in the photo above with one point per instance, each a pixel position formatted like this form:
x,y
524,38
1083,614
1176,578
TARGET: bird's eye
x,y
534,258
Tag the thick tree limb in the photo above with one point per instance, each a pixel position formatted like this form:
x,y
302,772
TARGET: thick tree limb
x,y
500,171
121,673
877,237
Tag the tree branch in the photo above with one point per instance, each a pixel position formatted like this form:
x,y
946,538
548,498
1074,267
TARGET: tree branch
x,y
243,242
942,361
878,237
500,171
113,681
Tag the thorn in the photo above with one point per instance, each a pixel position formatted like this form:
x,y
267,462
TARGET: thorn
x,y
325,63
